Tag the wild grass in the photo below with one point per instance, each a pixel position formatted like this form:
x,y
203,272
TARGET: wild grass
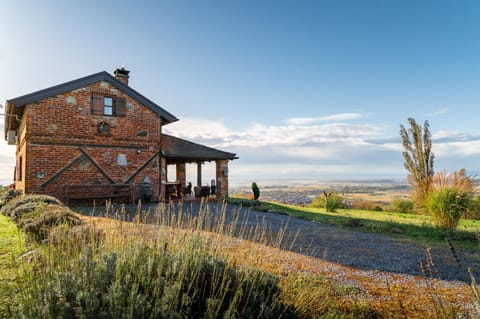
x,y
177,266
172,262
414,227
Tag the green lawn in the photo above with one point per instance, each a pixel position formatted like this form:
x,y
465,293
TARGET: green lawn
x,y
12,245
405,226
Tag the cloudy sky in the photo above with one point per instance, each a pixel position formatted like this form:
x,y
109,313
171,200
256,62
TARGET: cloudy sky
x,y
298,89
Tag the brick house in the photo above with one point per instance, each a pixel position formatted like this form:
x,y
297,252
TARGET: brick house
x,y
96,137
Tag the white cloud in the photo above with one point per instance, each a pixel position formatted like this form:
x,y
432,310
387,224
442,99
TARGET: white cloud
x,y
329,149
333,117
259,135
441,111
333,150
457,149
445,135
197,128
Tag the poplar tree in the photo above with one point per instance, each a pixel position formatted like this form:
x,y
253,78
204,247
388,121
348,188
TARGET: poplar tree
x,y
418,155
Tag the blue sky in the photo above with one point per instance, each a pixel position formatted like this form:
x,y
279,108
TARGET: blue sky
x,y
298,89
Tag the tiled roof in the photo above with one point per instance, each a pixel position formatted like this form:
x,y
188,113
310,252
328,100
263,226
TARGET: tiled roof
x,y
180,150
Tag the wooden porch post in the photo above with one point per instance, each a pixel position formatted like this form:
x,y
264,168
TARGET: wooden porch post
x,y
163,177
199,173
181,174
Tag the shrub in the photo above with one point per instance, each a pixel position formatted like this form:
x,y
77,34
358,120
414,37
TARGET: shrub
x,y
7,195
450,198
256,191
39,225
447,205
474,208
37,215
363,204
329,200
78,234
141,282
19,205
403,206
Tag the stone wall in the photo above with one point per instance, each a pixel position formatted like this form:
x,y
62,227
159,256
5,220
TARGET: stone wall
x,y
222,178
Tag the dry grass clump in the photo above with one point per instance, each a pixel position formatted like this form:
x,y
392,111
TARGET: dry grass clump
x,y
450,198
458,180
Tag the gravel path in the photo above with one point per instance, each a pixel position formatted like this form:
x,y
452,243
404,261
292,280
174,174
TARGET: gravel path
x,y
365,251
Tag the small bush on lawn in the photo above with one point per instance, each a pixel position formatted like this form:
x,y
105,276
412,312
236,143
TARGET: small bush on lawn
x,y
136,281
450,198
329,200
364,204
39,224
447,205
16,207
37,215
403,206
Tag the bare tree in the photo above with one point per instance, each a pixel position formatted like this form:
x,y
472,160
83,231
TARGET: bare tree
x,y
419,157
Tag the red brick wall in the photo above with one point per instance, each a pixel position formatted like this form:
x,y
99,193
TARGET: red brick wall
x,y
59,129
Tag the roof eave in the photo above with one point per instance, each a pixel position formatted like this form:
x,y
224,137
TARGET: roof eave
x,y
96,77
11,115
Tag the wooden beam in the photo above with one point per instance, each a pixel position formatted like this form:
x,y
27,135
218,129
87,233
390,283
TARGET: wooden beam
x,y
141,168
199,173
100,169
63,169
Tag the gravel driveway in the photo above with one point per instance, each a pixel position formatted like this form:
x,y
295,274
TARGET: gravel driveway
x,y
366,251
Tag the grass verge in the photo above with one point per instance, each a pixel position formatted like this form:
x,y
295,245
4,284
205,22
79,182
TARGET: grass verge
x,y
405,226
12,245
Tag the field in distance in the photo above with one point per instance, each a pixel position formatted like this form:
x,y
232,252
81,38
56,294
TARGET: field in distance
x,y
301,193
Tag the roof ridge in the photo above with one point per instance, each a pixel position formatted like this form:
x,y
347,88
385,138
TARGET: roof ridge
x,y
22,100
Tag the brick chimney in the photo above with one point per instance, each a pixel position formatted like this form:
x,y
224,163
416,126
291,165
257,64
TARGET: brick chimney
x,y
121,75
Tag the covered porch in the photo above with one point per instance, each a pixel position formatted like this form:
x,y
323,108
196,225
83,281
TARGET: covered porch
x,y
178,153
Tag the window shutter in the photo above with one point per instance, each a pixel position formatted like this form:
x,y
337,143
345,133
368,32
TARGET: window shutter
x,y
121,106
97,104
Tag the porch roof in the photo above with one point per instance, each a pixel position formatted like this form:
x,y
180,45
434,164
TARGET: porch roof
x,y
177,150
